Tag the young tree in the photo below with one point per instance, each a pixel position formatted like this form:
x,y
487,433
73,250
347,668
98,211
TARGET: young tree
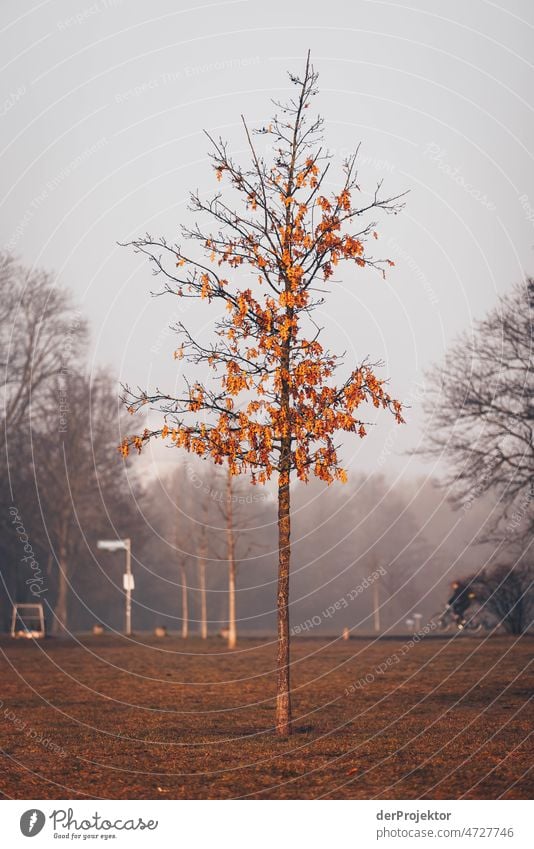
x,y
272,407
232,568
78,488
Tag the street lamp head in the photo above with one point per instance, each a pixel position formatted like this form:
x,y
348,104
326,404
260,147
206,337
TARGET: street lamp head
x,y
112,544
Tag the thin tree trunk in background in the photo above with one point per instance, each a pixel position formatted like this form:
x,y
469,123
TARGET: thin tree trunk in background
x,y
376,605
60,622
283,697
232,628
202,584
183,575
185,605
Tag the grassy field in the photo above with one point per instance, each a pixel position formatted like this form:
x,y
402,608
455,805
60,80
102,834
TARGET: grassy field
x,y
108,718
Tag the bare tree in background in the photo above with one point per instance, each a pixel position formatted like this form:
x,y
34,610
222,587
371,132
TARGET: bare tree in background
x,y
40,334
76,471
59,467
508,594
481,414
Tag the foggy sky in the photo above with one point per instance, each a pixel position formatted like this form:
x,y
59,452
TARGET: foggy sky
x,y
102,107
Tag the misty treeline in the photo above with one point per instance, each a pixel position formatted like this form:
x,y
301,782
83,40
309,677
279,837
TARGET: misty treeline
x,y
480,412
63,483
372,542
354,545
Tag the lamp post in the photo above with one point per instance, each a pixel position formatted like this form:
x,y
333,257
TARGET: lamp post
x,y
128,579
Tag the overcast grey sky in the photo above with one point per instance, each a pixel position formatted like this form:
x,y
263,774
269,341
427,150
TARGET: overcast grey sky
x,y
102,107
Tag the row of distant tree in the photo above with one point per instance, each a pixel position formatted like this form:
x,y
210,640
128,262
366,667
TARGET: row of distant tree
x,y
481,423
63,482
203,542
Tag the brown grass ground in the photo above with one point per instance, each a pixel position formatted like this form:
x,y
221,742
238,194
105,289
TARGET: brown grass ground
x,y
164,719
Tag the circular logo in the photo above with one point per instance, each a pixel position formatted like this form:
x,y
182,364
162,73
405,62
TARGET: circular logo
x,y
32,822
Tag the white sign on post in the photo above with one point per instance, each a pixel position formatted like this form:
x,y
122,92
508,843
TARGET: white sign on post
x,y
128,582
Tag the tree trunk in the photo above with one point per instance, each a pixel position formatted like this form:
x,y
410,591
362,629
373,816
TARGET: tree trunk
x,y
185,605
202,585
232,628
376,603
283,697
183,576
60,623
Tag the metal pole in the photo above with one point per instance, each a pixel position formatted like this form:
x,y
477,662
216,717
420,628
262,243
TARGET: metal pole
x,y
129,588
